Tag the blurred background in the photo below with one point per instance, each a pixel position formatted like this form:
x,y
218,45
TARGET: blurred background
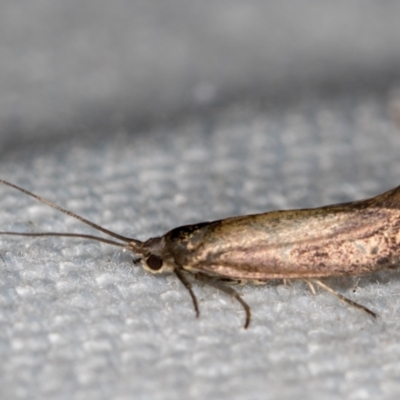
x,y
82,65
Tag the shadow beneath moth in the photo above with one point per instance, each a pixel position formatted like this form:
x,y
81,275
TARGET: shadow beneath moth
x,y
345,239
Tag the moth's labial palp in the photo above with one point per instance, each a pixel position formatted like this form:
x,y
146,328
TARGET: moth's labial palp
x,y
136,260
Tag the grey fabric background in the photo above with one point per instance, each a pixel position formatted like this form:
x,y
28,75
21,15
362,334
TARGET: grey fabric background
x,y
143,116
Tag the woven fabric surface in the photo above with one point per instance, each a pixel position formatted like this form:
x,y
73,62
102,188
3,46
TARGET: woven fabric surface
x,y
80,321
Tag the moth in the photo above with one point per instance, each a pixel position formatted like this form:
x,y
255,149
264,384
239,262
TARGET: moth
x,y
347,239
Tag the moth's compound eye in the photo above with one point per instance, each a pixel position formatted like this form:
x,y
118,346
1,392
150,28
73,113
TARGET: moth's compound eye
x,y
154,262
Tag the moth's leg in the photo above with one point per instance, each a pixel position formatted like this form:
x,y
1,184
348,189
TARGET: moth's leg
x,y
228,290
343,298
287,282
311,286
355,285
188,286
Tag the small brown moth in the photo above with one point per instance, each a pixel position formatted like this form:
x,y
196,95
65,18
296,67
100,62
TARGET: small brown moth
x,y
345,239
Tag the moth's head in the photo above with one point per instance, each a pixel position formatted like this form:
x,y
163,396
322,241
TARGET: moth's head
x,y
154,257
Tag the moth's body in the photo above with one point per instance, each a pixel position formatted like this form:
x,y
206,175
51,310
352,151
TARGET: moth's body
x,y
339,240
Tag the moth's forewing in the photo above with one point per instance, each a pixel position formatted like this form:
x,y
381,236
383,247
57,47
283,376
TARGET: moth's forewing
x,y
348,239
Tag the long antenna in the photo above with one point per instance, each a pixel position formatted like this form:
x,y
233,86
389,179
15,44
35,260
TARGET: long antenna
x,y
73,235
131,241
